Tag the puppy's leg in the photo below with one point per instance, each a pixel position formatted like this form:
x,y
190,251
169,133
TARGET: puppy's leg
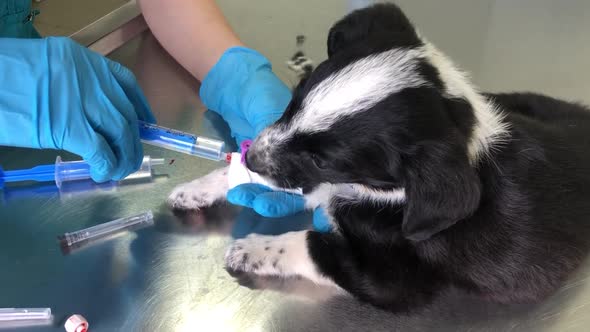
x,y
391,278
200,193
284,255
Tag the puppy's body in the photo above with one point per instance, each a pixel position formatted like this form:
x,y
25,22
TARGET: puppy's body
x,y
529,232
428,183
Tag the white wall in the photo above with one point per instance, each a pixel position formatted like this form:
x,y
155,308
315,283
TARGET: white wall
x,y
537,45
456,27
271,26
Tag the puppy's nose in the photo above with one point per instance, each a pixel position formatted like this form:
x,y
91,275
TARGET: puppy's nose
x,y
254,163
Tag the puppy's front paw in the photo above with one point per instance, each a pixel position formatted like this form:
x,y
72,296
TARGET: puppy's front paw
x,y
200,193
285,255
257,254
190,196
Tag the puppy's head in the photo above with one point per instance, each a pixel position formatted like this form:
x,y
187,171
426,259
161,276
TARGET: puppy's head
x,y
386,111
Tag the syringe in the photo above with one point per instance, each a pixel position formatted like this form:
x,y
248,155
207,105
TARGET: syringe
x,y
179,141
64,171
79,170
106,229
24,314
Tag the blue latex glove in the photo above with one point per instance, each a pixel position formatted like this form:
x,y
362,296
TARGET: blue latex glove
x,y
275,204
242,88
56,94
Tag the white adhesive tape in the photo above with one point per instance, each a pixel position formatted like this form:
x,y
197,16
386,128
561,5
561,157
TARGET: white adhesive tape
x,y
239,174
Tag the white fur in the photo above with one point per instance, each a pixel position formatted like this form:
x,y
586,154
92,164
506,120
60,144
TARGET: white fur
x,y
324,193
284,255
490,129
360,192
322,197
239,174
365,82
200,193
355,88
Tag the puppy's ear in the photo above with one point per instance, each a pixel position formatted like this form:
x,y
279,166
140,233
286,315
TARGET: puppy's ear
x,y
441,189
385,24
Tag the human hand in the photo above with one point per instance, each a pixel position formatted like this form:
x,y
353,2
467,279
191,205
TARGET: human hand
x,y
275,204
57,94
242,88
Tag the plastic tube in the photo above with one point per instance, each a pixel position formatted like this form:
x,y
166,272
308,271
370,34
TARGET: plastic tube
x,y
79,170
106,229
17,314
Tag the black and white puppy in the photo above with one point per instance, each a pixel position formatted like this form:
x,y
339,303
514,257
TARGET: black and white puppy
x,y
428,183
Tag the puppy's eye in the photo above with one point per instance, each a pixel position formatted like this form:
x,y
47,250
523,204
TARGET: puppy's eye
x,y
317,161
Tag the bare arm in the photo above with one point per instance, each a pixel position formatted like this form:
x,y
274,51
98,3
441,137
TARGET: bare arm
x,y
194,32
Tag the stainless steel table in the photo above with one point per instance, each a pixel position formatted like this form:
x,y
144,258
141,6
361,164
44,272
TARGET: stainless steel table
x,y
170,277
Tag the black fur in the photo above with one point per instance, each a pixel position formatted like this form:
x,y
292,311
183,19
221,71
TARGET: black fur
x,y
510,227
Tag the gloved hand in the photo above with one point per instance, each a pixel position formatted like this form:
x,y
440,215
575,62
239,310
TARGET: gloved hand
x,y
275,204
242,88
57,94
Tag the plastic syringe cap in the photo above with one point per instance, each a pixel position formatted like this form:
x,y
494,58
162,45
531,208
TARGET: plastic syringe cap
x,y
244,146
158,161
76,323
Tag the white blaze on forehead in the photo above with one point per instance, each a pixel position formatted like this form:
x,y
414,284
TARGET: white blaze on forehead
x,y
362,84
357,87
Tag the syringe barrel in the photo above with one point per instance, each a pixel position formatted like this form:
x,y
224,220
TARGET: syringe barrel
x,y
66,171
181,142
70,171
17,314
145,170
106,229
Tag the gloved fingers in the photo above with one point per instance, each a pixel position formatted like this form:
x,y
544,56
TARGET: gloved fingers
x,y
265,201
114,127
245,194
129,84
269,99
100,157
124,106
137,157
128,158
321,223
247,222
240,128
278,204
217,124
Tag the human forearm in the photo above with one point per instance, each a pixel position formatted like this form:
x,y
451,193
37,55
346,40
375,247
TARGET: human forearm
x,y
194,32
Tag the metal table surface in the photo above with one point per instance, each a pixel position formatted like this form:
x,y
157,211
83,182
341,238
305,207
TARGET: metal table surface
x,y
170,277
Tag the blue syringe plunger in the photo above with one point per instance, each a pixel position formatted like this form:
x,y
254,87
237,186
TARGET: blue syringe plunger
x,y
40,173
